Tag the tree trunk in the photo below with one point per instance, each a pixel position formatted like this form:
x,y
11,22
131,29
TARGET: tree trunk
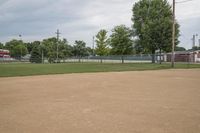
x,y
153,56
79,59
122,59
160,56
101,60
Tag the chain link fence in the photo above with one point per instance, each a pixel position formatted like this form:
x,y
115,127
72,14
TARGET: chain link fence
x,y
140,58
98,59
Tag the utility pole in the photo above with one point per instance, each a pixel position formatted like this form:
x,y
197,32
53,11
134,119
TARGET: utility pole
x,y
197,39
193,41
20,38
58,35
93,45
199,42
173,35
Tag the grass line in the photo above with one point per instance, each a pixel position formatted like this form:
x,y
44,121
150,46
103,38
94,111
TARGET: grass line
x,y
12,70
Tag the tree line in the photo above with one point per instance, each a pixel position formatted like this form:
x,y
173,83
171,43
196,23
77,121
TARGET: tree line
x,y
46,48
119,43
151,31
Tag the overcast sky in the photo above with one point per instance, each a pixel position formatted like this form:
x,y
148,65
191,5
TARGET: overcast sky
x,y
81,19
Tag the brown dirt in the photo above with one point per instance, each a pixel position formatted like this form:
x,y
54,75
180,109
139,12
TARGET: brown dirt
x,y
164,101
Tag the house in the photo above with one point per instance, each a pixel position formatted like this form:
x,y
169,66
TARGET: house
x,y
196,56
184,56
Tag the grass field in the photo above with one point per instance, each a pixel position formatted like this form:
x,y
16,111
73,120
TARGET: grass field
x,y
11,70
164,101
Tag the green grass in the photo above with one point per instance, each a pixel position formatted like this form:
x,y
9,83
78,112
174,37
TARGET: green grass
x,y
11,70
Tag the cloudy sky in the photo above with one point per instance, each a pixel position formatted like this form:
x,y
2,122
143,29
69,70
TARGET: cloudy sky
x,y
81,19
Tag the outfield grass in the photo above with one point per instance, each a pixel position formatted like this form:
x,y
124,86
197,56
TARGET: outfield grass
x,y
11,70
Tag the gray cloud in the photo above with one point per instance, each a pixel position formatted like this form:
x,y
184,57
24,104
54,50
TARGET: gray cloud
x,y
38,19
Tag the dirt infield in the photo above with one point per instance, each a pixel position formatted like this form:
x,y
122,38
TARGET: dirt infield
x,y
164,101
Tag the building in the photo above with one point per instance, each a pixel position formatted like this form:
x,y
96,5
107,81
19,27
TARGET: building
x,y
4,53
185,56
196,56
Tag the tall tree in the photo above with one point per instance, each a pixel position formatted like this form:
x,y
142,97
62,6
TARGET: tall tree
x,y
49,51
31,45
121,42
36,55
65,50
152,23
17,48
102,43
79,49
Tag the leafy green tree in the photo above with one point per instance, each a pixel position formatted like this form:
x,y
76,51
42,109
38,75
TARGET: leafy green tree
x,y
121,42
177,48
152,24
102,43
79,49
195,48
31,45
65,50
1,46
17,48
89,51
20,51
36,55
50,49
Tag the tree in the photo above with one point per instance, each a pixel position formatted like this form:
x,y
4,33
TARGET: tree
x,y
36,55
65,50
31,45
195,48
79,49
121,42
177,48
20,51
50,49
17,48
89,51
1,46
152,24
102,43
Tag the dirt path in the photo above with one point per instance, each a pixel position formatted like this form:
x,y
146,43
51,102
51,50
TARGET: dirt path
x,y
165,101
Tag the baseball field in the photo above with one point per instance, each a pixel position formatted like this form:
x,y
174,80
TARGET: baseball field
x,y
154,101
